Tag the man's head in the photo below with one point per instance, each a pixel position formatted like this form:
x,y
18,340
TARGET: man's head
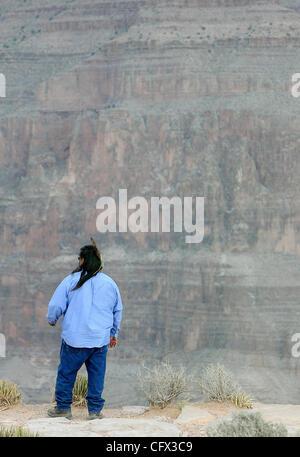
x,y
89,263
88,258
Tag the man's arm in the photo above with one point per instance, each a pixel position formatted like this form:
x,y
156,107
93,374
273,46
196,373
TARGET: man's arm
x,y
117,313
58,303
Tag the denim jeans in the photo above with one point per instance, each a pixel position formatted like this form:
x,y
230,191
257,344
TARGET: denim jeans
x,y
71,360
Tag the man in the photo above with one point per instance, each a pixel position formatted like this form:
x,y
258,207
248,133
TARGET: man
x,y
91,306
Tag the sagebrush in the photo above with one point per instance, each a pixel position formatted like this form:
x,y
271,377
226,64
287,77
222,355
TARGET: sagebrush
x,y
218,384
246,424
162,384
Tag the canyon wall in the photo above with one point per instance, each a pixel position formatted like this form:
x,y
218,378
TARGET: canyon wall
x,y
162,98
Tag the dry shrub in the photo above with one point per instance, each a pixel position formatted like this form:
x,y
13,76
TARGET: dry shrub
x,y
162,384
218,384
246,424
9,394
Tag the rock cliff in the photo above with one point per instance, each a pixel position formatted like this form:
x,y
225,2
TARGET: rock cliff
x,y
162,98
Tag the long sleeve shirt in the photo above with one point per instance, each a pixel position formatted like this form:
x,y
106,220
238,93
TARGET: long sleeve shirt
x,y
91,314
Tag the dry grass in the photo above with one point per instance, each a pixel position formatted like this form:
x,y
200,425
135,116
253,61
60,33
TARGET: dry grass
x,y
241,400
9,394
80,390
16,431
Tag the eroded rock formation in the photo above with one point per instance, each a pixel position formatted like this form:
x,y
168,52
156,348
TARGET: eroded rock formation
x,y
163,98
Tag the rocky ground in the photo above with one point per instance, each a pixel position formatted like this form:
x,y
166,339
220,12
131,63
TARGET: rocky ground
x,y
190,420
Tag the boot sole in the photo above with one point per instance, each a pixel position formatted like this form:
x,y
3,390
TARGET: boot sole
x,y
67,416
90,418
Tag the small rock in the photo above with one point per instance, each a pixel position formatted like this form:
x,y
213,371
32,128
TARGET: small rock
x,y
162,418
135,409
191,413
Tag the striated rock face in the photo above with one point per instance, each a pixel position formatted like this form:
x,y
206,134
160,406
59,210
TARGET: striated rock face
x,y
162,98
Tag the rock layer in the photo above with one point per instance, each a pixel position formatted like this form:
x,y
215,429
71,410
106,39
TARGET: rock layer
x,y
161,98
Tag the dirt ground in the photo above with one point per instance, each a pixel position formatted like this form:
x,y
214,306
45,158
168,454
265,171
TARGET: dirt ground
x,y
21,413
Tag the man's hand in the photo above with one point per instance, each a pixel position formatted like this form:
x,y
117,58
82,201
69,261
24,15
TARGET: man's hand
x,y
113,342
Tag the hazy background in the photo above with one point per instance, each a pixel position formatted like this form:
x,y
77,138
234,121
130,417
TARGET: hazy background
x,y
162,98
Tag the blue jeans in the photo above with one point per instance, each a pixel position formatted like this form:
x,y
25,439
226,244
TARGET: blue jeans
x,y
71,360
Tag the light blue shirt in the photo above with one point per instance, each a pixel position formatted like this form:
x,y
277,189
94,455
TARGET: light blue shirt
x,y
91,314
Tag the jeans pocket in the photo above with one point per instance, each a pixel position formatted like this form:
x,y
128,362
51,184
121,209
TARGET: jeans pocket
x,y
105,348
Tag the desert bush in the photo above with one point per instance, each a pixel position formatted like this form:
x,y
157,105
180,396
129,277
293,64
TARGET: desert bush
x,y
246,424
218,384
9,394
16,431
79,391
162,384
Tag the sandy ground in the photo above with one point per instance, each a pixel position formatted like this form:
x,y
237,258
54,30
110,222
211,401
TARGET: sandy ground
x,y
20,414
193,421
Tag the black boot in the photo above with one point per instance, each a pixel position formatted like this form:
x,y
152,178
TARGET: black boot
x,y
54,412
92,416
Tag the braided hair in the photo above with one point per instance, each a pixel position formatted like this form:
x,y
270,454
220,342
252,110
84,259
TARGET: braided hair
x,y
92,264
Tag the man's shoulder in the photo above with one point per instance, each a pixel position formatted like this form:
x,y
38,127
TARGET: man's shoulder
x,y
106,278
71,276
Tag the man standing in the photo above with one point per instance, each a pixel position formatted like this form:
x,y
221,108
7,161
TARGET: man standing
x,y
91,306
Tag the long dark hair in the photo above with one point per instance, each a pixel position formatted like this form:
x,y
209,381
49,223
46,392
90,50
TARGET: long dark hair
x,y
91,266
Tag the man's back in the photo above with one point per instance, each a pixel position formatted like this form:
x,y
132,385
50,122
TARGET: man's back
x,y
91,314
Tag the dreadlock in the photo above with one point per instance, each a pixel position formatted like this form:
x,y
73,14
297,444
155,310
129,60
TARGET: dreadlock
x,y
92,263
